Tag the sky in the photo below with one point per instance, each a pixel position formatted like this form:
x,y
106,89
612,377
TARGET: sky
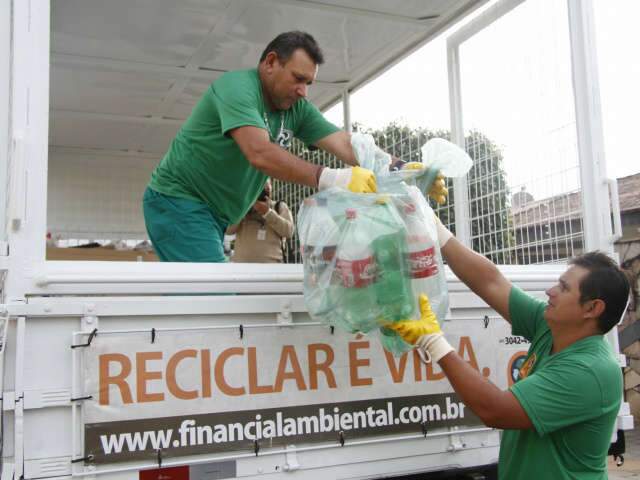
x,y
519,92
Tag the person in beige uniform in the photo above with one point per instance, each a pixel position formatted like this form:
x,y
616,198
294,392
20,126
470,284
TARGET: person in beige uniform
x,y
260,234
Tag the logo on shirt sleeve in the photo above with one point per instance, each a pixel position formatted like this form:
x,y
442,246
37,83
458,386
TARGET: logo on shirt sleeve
x,y
520,366
527,367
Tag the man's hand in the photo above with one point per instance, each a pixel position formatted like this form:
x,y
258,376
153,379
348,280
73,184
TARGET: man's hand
x,y
356,179
437,188
438,191
261,207
412,330
396,164
424,333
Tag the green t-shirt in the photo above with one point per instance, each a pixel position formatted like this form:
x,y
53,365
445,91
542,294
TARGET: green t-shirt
x,y
571,397
205,164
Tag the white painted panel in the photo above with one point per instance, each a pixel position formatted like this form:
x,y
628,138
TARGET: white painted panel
x,y
153,59
124,93
162,32
93,133
5,66
96,195
190,96
47,363
340,36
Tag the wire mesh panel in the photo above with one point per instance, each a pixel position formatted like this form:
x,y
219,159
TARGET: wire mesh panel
x,y
96,196
518,114
406,143
293,194
400,141
524,198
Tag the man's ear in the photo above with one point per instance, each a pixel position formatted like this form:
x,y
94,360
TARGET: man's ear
x,y
271,59
595,308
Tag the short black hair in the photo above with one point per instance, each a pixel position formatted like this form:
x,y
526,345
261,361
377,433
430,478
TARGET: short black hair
x,y
288,42
605,281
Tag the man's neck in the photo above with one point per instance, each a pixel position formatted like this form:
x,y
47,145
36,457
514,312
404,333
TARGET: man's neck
x,y
265,95
562,340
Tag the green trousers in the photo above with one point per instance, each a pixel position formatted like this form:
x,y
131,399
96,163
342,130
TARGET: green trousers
x,y
183,230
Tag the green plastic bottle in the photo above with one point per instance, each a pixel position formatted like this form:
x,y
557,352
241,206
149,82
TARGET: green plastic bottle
x,y
394,294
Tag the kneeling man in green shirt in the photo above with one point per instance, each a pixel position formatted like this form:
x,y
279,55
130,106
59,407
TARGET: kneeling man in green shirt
x,y
235,138
558,418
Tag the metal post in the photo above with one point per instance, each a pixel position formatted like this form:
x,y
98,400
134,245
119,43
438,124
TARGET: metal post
x,y
461,206
593,174
593,169
346,110
29,143
5,90
18,420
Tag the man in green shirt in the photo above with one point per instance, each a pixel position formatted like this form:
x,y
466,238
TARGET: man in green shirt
x,y
235,138
558,418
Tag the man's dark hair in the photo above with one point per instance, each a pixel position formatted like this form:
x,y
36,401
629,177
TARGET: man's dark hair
x,y
288,42
605,281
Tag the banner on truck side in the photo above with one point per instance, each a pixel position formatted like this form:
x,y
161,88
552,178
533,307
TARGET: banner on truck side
x,y
210,391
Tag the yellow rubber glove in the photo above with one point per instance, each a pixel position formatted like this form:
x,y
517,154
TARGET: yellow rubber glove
x,y
437,190
355,179
412,330
362,181
425,333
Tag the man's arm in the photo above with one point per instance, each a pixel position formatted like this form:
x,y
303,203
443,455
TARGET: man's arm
x,y
496,408
273,160
281,222
477,272
278,163
339,144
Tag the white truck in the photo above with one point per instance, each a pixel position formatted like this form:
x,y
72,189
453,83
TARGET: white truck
x,y
122,370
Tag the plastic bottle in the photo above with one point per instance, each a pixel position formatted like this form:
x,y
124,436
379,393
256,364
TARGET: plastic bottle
x,y
425,270
309,206
318,252
355,277
393,287
394,295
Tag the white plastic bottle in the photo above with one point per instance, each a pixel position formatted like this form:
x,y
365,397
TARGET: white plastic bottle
x,y
424,268
356,305
318,253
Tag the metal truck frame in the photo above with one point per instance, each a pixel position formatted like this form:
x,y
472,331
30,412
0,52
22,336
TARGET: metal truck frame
x,y
122,370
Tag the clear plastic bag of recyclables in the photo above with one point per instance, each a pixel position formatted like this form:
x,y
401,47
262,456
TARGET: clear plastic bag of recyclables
x,y
367,257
